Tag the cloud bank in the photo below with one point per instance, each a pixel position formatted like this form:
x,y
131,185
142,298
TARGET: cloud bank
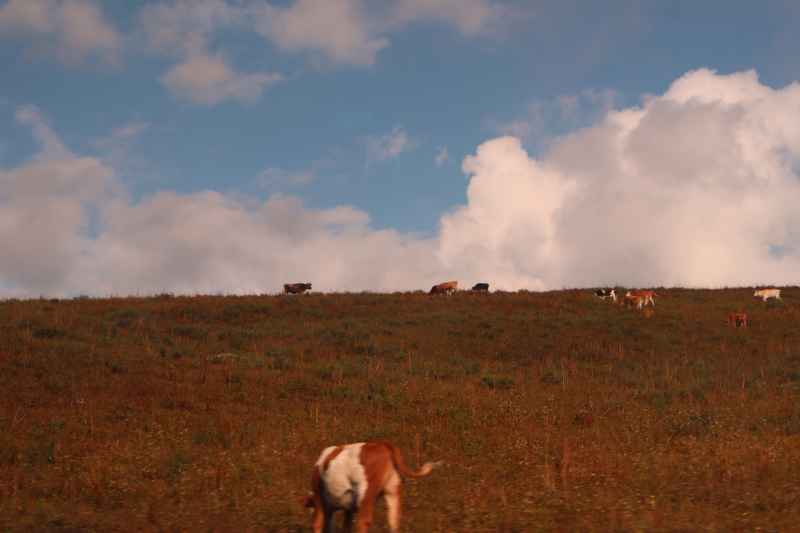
x,y
73,30
697,186
332,32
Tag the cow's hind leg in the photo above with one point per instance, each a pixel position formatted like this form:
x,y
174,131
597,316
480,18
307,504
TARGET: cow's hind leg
x,y
393,509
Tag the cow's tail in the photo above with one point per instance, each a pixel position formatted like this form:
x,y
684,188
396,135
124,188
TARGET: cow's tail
x,y
400,465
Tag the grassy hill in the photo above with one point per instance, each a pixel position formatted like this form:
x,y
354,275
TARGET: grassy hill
x,y
553,411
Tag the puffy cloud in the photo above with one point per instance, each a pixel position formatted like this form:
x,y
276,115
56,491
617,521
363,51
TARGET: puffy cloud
x,y
346,32
693,188
184,28
341,30
208,79
55,171
696,187
171,242
507,232
45,210
69,228
72,29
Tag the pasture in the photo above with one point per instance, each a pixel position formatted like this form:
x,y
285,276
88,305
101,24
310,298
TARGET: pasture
x,y
553,411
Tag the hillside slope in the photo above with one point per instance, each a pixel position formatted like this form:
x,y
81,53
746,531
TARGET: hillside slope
x,y
553,411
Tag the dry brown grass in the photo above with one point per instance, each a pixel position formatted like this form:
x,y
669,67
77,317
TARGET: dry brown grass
x,y
553,411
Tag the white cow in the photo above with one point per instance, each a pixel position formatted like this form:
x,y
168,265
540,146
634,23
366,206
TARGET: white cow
x,y
766,294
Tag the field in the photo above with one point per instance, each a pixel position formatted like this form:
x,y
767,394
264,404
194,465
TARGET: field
x,y
552,411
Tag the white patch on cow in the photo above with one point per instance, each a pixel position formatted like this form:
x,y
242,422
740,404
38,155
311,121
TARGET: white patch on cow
x,y
345,480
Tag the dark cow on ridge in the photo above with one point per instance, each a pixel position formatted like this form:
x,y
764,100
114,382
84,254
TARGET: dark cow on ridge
x,y
296,288
482,287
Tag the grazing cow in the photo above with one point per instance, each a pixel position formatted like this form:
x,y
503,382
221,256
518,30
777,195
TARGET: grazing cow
x,y
296,288
606,293
481,287
631,300
738,319
647,296
766,294
448,287
351,477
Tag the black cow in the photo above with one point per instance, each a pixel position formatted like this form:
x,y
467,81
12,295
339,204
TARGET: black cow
x,y
483,287
296,288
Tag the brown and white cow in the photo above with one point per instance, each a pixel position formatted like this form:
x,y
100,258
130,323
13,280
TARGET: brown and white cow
x,y
631,300
604,294
296,288
448,287
646,296
351,477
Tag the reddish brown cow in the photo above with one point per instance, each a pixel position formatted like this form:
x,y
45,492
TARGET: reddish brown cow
x,y
448,287
646,296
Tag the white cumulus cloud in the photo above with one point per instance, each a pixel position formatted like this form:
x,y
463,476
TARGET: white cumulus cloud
x,y
696,187
68,227
45,206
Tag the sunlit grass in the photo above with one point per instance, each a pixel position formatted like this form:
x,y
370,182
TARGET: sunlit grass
x,y
552,411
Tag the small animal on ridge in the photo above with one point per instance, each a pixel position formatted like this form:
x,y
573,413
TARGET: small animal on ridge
x,y
296,288
606,293
448,287
766,294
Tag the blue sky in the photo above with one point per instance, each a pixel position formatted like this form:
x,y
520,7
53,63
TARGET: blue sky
x,y
371,105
